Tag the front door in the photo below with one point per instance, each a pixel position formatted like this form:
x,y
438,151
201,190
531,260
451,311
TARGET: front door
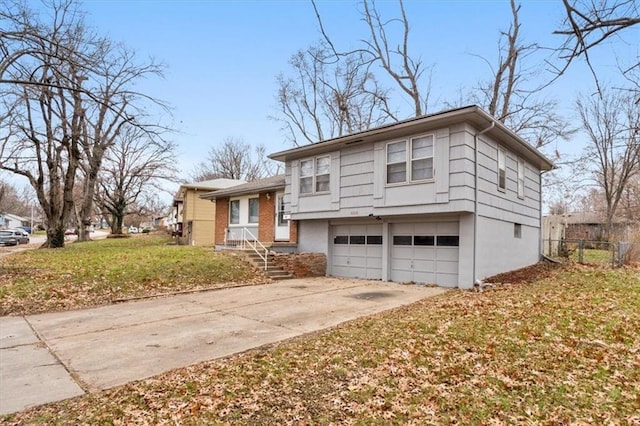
x,y
282,224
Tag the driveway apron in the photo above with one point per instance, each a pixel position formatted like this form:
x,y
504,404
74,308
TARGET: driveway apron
x,y
112,345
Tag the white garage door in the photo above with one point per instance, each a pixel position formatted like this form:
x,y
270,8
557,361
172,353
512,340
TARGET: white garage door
x,y
425,253
357,251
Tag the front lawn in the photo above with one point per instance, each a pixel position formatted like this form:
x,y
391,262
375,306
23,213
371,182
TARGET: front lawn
x,y
98,272
564,349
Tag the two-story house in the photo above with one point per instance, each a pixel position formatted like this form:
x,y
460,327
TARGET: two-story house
x,y
446,198
194,217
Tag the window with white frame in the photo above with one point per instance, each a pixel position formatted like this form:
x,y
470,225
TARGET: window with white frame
x,y
253,210
315,175
281,211
520,178
323,170
502,170
397,162
410,160
422,158
234,212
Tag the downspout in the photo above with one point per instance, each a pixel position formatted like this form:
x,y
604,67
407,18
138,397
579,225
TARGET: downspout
x,y
475,199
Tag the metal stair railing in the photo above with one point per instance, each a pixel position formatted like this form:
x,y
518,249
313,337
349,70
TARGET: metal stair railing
x,y
256,245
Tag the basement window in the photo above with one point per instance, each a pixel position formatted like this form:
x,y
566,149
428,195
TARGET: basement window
x,y
517,230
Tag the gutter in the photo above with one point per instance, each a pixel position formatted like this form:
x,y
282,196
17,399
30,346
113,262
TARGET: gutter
x,y
475,197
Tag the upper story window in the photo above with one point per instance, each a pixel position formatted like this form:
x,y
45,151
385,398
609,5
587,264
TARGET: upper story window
x,y
234,212
315,175
502,170
410,160
253,210
520,178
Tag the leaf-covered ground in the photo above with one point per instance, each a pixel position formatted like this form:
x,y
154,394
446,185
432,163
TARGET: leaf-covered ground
x,y
98,272
563,349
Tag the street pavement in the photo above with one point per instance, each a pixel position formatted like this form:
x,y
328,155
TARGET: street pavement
x,y
54,356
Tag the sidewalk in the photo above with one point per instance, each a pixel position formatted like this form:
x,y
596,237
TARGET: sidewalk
x,y
50,357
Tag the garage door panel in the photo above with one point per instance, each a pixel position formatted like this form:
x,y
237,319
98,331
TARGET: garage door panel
x,y
341,271
424,277
357,250
419,260
374,263
426,253
424,265
374,251
358,261
357,256
402,252
373,273
401,264
401,276
448,254
340,250
448,267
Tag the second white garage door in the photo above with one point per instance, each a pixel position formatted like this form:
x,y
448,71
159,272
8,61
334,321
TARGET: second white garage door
x,y
425,253
357,251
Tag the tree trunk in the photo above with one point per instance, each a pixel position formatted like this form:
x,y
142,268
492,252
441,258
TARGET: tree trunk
x,y
55,235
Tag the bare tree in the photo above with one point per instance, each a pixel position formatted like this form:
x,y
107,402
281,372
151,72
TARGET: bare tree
x,y
612,123
116,106
133,171
328,97
43,108
13,200
67,94
588,23
234,159
393,57
509,95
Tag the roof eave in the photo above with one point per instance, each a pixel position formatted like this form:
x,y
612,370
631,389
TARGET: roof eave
x,y
224,194
444,118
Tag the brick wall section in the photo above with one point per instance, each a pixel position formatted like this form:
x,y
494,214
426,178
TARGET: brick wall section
x,y
302,265
293,231
222,218
267,217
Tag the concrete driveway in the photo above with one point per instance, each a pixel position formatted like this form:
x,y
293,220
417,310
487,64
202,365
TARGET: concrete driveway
x,y
50,357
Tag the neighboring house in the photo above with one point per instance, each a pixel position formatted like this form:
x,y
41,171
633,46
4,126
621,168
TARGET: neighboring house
x,y
255,211
446,198
195,217
585,226
8,221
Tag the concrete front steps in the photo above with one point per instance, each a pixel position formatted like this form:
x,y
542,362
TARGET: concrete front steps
x,y
273,271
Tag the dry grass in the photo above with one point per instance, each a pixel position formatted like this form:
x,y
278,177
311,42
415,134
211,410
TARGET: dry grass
x,y
564,349
98,272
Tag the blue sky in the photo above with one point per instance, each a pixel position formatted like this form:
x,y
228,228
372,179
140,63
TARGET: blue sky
x,y
223,57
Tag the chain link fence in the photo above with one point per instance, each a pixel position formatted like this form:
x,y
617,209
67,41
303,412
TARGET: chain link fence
x,y
590,252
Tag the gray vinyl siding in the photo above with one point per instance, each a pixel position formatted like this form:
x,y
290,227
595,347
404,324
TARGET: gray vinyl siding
x,y
359,189
507,252
356,179
506,205
313,236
